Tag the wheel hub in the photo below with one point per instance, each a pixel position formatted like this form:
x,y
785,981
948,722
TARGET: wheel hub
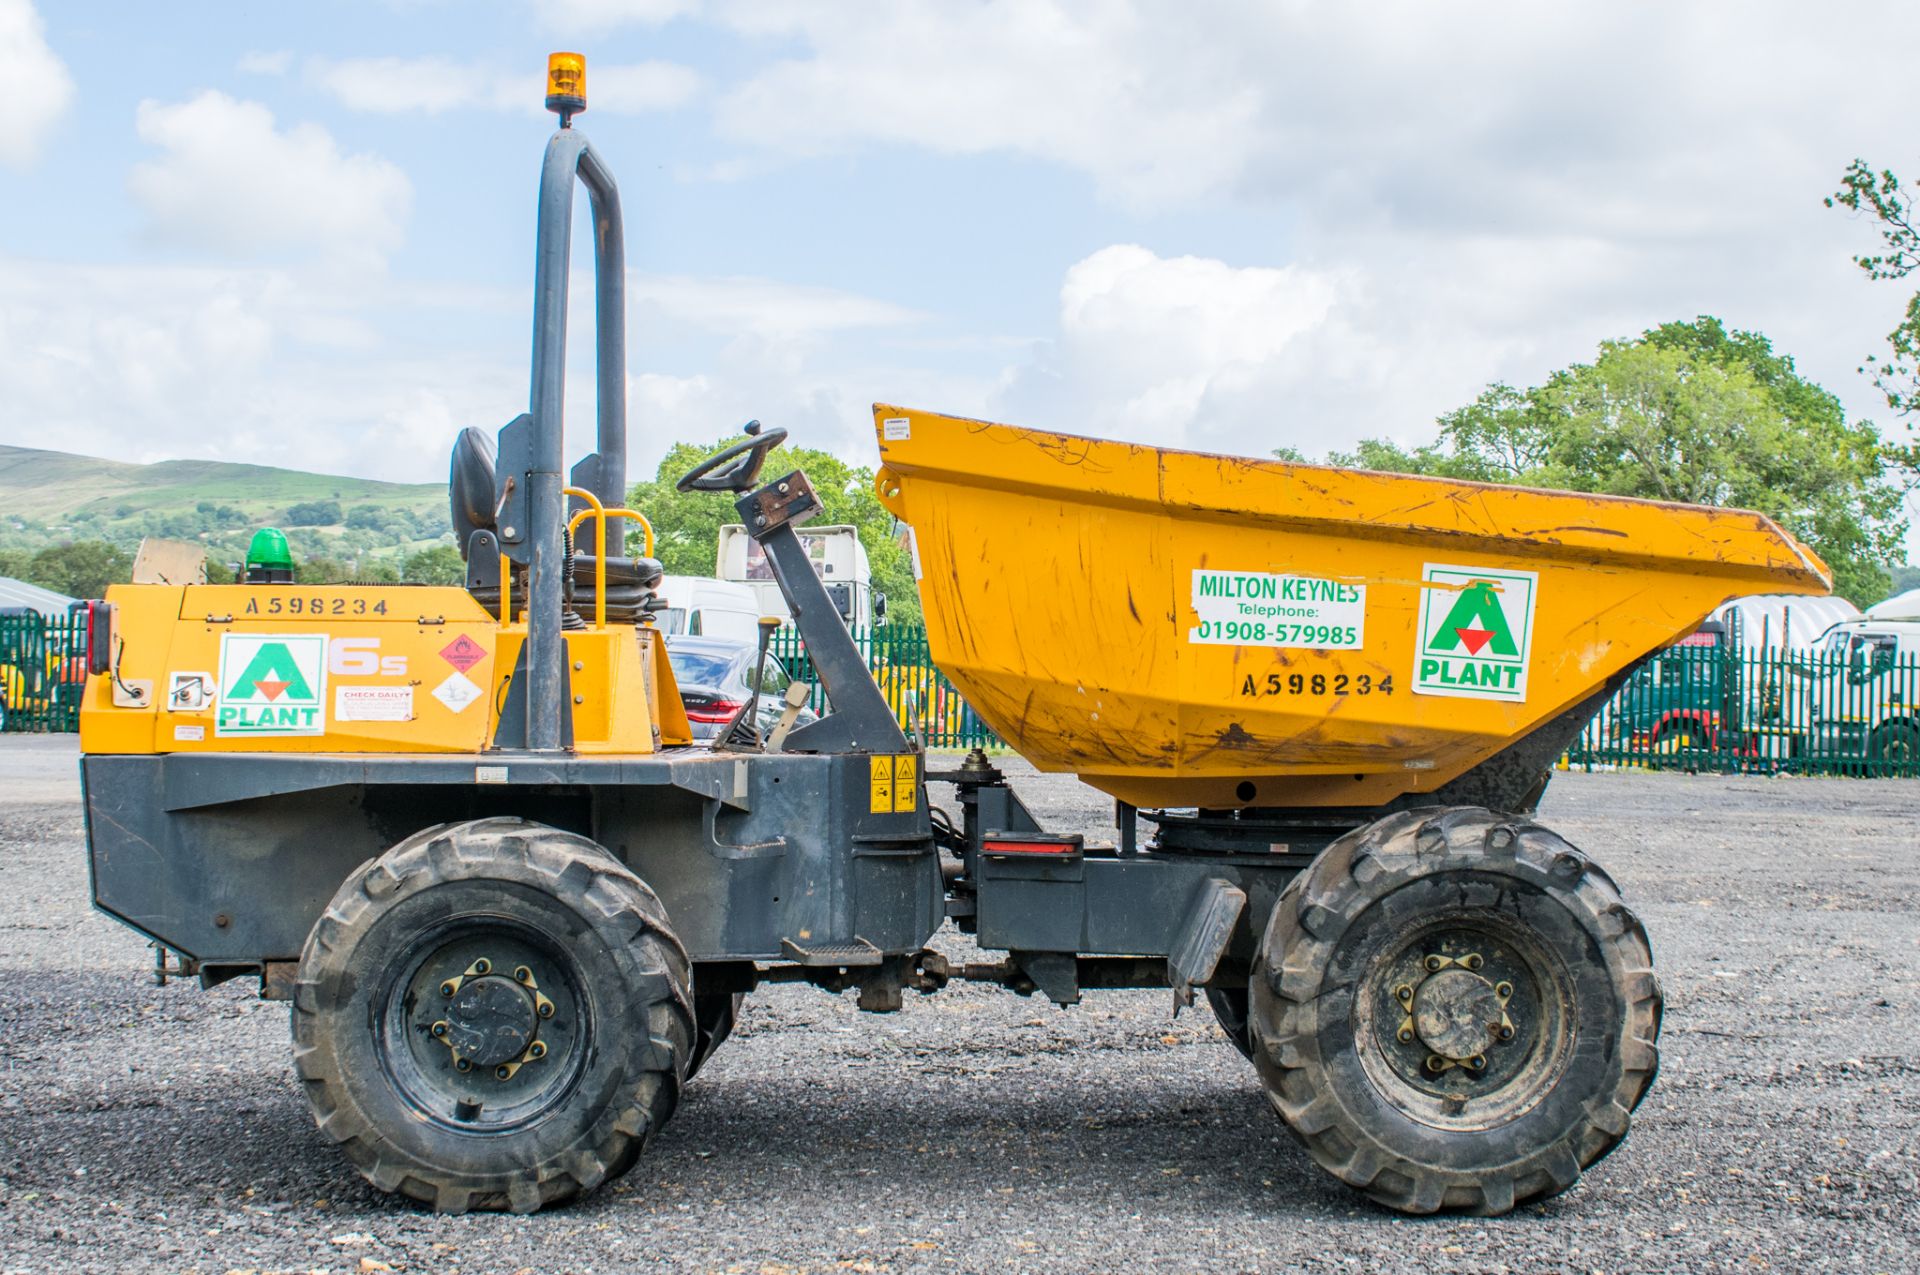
x,y
1455,1013
492,1021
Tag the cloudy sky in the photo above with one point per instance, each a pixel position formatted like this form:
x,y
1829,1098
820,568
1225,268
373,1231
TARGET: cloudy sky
x,y
302,233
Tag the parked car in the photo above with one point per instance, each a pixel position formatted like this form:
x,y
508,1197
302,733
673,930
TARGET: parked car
x,y
716,679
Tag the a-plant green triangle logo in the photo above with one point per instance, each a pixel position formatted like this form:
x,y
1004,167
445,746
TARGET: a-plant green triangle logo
x,y
271,673
272,684
1476,632
1477,623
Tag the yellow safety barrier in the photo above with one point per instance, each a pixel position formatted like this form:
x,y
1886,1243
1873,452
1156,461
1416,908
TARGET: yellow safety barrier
x,y
600,513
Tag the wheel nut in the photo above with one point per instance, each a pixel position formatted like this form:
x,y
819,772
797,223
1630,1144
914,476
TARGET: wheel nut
x,y
483,966
536,1050
449,987
461,1064
1435,1063
1404,992
440,1029
1503,990
1433,963
1474,961
546,1009
1477,1061
1506,1032
1406,1035
522,974
502,1072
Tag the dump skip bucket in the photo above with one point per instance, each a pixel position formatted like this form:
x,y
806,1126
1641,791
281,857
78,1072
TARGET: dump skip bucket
x,y
1182,629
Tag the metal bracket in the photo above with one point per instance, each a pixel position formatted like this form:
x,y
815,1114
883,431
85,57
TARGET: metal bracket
x,y
512,514
710,824
1204,938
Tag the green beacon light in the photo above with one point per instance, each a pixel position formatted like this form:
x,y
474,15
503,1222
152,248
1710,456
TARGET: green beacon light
x,y
269,561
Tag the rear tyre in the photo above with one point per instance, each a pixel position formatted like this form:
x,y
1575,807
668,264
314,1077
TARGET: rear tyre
x,y
1230,1011
1897,744
492,1015
1453,1009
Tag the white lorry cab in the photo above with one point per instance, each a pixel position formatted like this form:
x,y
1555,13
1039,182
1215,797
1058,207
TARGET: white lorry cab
x,y
1866,692
702,607
838,558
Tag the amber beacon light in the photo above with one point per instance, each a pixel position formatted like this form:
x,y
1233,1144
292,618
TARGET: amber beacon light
x,y
566,85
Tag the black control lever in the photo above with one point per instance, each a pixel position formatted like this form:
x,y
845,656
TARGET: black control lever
x,y
744,730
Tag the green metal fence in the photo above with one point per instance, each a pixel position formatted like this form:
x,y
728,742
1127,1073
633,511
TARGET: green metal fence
x,y
924,700
1851,707
42,672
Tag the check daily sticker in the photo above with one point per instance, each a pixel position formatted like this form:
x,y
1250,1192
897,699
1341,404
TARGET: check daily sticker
x,y
373,703
1255,608
272,684
1476,632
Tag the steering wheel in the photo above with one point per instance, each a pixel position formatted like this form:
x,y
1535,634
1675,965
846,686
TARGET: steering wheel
x,y
738,467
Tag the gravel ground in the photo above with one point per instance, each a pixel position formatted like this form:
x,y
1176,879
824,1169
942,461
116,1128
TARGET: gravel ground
x,y
150,1128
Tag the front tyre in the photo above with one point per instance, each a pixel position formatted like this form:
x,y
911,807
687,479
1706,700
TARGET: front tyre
x,y
492,1015
1453,1009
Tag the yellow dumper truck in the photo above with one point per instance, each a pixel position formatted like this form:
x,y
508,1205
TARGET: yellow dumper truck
x,y
464,830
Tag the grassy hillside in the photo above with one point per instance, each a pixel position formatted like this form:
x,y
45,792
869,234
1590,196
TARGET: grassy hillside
x,y
51,487
47,497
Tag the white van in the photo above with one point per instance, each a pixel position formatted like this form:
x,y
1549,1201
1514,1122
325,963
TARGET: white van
x,y
838,558
703,607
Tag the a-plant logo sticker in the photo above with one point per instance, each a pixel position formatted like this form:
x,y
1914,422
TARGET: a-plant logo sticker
x,y
1476,632
272,685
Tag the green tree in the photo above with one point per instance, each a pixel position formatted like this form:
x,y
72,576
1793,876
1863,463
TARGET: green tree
x,y
317,568
314,513
440,564
687,525
1883,197
1688,412
81,568
14,563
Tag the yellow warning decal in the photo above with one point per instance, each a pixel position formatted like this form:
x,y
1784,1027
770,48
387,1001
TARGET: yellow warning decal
x,y
893,784
906,786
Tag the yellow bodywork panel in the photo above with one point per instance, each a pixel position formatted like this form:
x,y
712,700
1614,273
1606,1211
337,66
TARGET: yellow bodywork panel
x,y
1184,629
353,669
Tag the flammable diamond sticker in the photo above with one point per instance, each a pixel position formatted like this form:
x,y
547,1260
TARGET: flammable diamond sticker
x,y
457,692
463,653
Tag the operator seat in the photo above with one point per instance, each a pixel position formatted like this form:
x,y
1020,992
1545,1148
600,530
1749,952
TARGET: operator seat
x,y
470,497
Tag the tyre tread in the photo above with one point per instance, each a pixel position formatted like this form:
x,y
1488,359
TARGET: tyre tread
x,y
1297,949
561,859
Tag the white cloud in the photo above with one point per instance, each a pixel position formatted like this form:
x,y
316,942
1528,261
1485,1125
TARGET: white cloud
x,y
1152,109
230,181
1485,193
264,62
1172,350
593,17
1148,344
767,307
639,88
266,365
431,85
35,89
